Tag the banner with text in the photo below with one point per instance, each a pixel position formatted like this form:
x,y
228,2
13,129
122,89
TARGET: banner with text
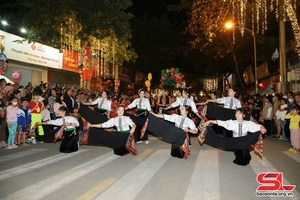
x,y
70,61
17,48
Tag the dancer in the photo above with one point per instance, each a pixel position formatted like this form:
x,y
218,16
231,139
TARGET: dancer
x,y
124,125
69,142
185,100
229,102
103,104
240,128
181,121
143,108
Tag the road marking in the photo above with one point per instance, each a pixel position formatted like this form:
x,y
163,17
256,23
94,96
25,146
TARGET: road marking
x,y
263,165
128,187
205,171
143,155
5,174
97,189
21,154
51,184
292,155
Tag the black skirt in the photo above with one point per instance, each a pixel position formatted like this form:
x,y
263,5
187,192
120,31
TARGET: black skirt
x,y
69,142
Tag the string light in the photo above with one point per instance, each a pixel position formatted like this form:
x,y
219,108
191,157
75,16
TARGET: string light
x,y
236,10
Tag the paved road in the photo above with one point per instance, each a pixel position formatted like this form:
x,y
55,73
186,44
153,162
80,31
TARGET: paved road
x,y
41,172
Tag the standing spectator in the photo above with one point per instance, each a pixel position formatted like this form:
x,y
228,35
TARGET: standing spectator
x,y
69,100
46,113
24,121
51,101
295,129
267,114
58,103
163,101
18,95
258,104
280,115
276,121
297,99
12,122
2,121
290,105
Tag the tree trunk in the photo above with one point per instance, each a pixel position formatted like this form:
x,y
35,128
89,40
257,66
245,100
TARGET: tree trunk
x,y
238,73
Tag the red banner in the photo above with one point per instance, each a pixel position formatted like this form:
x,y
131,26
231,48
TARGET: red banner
x,y
70,61
85,74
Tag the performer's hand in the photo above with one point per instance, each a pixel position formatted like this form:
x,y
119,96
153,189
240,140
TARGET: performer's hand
x,y
186,130
263,130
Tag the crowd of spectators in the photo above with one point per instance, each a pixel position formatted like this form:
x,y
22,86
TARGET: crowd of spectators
x,y
267,109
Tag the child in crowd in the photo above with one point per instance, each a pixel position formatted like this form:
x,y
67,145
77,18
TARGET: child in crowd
x,y
295,129
12,122
36,108
24,121
46,113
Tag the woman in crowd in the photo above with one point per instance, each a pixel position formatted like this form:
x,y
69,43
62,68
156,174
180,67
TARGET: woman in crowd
x,y
69,100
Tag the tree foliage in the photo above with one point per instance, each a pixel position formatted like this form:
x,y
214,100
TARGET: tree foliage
x,y
76,23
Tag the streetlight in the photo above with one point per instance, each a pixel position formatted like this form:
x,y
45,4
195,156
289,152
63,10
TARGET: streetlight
x,y
230,25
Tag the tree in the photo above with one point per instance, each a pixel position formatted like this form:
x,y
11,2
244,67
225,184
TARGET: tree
x,y
76,23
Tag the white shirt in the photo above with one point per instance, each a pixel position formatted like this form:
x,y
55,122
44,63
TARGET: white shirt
x,y
126,123
281,114
145,104
177,119
182,102
233,125
105,105
60,121
227,101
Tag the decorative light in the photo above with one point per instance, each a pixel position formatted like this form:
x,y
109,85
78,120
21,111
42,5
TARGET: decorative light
x,y
236,11
23,30
4,23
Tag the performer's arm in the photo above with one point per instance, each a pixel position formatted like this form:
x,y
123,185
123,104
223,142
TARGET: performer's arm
x,y
132,129
157,115
132,105
207,123
211,100
95,125
91,103
191,131
173,105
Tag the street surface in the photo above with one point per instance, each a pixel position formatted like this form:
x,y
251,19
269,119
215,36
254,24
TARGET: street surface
x,y
41,172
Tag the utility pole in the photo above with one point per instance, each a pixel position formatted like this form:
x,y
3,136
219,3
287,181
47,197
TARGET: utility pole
x,y
282,56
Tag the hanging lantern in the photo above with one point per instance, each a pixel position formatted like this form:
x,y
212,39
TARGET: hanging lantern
x,y
149,76
147,83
